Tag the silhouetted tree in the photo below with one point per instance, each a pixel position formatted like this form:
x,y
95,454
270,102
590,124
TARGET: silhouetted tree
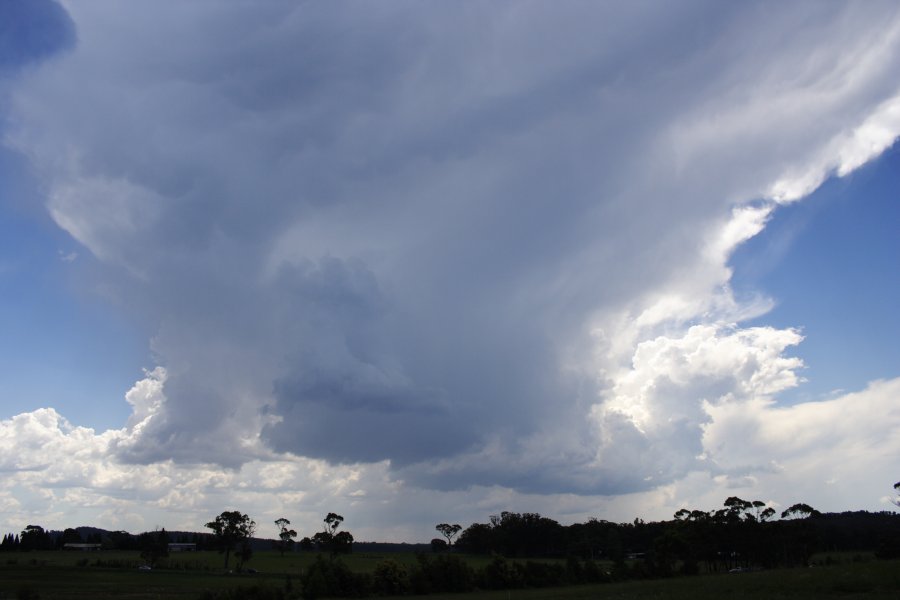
x,y
231,529
799,511
154,546
34,537
244,553
70,536
10,543
476,539
322,541
331,539
285,535
738,509
527,534
515,534
799,534
332,522
448,531
342,543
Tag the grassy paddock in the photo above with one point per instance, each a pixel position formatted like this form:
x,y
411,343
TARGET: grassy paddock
x,y
65,576
872,579
265,562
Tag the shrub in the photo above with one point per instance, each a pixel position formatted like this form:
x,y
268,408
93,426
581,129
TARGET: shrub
x,y
888,548
592,573
441,573
331,577
542,574
574,570
390,578
500,574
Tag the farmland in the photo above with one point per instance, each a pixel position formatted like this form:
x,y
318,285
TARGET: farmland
x,y
115,574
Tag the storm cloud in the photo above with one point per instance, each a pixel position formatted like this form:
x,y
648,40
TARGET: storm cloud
x,y
481,243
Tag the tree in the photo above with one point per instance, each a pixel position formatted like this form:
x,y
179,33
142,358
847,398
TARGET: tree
x,y
332,522
800,511
244,552
154,546
34,537
896,500
478,538
801,536
285,535
448,531
10,543
70,536
232,529
332,540
322,540
737,509
342,543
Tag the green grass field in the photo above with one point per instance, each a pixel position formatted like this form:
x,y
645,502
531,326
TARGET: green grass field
x,y
66,576
876,580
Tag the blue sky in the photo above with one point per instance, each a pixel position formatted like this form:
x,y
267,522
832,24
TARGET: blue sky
x,y
416,264
830,265
62,347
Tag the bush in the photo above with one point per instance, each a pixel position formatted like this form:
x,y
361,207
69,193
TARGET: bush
x,y
574,570
441,573
542,574
390,578
331,577
592,573
888,548
500,574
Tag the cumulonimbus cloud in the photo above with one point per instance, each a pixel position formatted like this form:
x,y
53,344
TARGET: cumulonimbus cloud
x,y
478,244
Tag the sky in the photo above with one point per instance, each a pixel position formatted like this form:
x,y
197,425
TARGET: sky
x,y
422,262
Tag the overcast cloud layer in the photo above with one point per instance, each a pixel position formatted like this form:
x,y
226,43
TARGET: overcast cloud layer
x,y
447,254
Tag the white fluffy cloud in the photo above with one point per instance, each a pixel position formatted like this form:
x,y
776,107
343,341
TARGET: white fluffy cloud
x,y
63,476
442,248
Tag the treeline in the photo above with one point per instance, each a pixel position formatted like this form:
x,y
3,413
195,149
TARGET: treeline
x,y
741,535
436,573
35,537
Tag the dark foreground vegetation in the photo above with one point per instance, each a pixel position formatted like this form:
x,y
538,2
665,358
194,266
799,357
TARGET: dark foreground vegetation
x,y
112,574
740,550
